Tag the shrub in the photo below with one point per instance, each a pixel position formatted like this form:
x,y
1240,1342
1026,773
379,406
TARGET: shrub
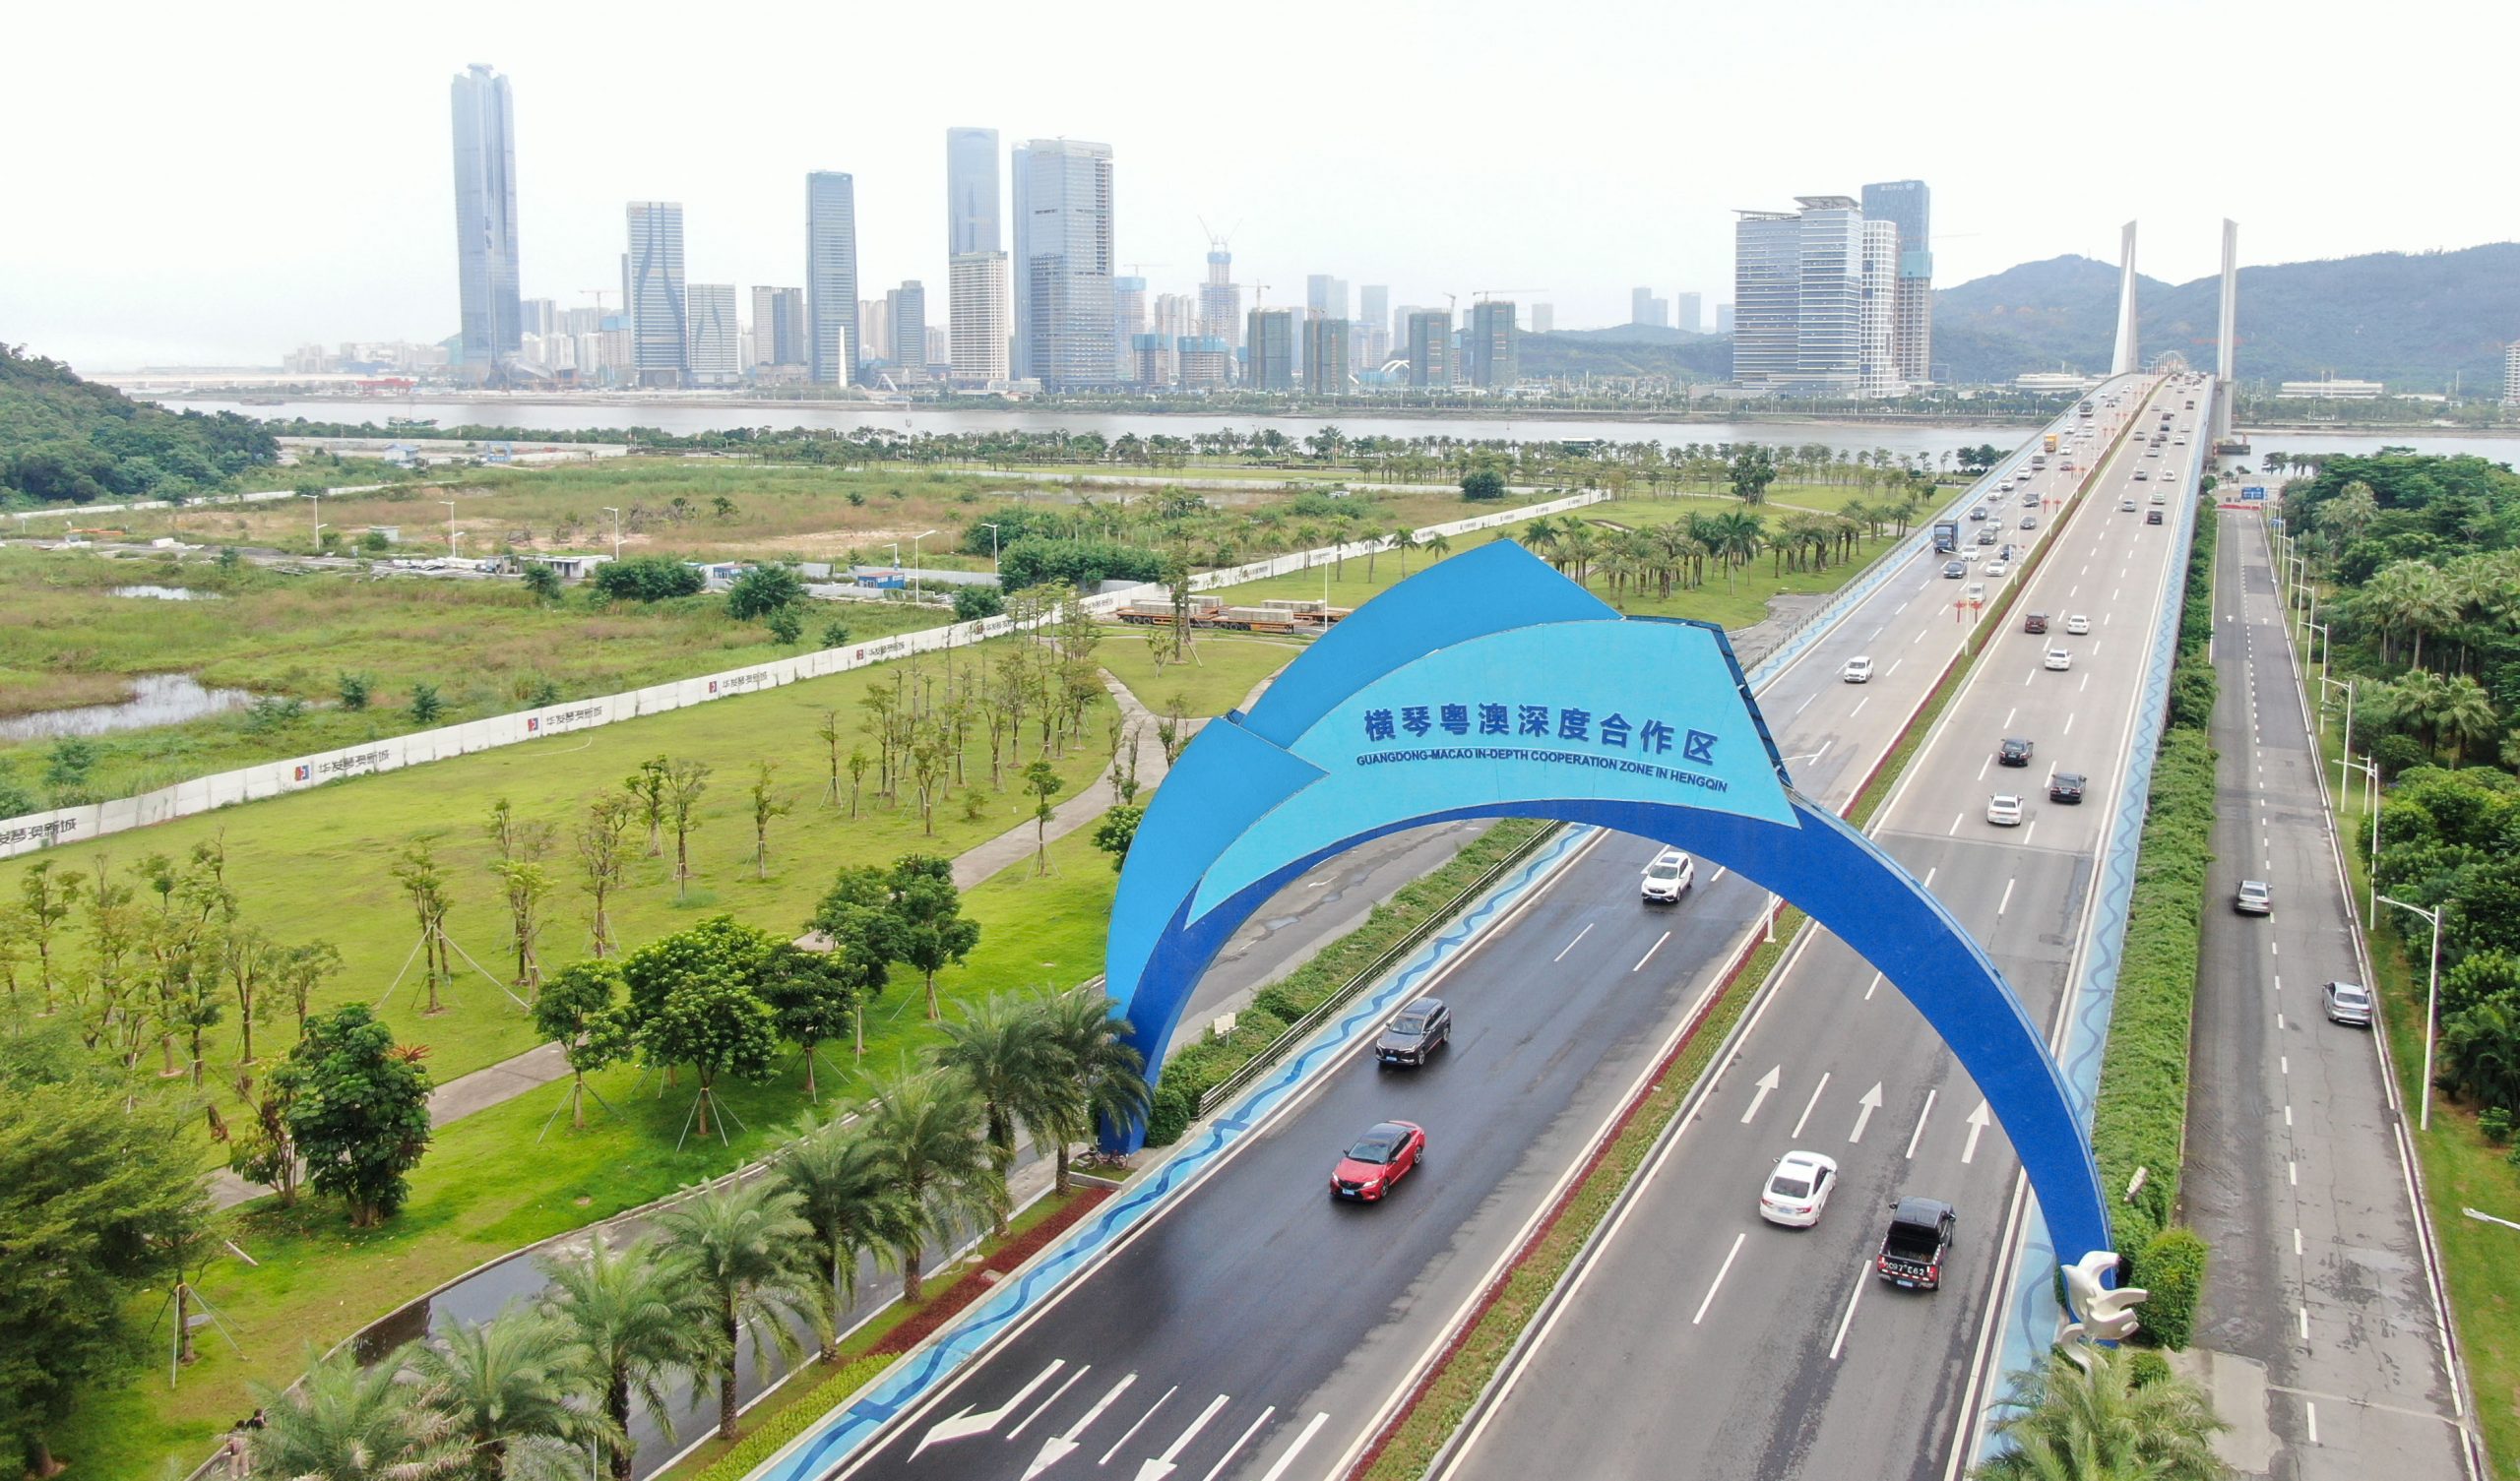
x,y
2192,689
1276,999
794,1420
762,590
2145,1368
647,577
971,603
2496,1122
1175,1103
352,689
2172,1266
834,634
1483,483
1082,563
427,706
785,626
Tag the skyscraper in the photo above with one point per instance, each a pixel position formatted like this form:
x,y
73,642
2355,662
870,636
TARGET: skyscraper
x,y
538,316
1646,309
1326,295
831,275
779,326
1495,361
1691,315
1544,318
1431,348
1816,291
1128,321
659,333
1909,205
971,192
980,325
486,222
1374,304
907,308
2511,375
1063,264
1325,355
710,309
1219,303
1723,320
1270,363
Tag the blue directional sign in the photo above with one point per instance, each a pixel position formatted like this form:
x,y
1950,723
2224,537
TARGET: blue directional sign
x,y
2253,492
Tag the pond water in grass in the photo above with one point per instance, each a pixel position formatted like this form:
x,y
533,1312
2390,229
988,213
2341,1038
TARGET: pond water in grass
x,y
167,594
156,700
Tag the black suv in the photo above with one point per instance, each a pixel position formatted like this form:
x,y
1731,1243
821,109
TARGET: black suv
x,y
2065,786
2014,752
1913,1251
1423,1027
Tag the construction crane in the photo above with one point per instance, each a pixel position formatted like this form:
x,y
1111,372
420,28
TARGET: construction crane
x,y
1135,269
598,298
1484,294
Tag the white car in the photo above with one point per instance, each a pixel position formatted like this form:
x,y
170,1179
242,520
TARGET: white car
x,y
2059,659
1975,592
1798,1190
2078,625
1997,567
1859,670
2003,810
1668,877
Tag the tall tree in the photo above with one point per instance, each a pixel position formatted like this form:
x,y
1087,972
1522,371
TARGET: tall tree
x,y
1108,1078
647,790
857,914
927,911
844,1194
813,998
345,1421
685,782
720,1028
521,844
637,1315
603,863
424,884
1002,1048
44,901
925,1127
767,804
358,1110
506,1390
1042,783
578,1011
746,1249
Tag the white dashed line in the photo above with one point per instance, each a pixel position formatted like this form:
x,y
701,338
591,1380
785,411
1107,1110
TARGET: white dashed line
x,y
1649,952
2005,903
1720,1273
2296,1241
1862,1278
1570,945
1955,825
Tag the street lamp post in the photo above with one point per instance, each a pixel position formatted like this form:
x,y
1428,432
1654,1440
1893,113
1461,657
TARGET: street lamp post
x,y
2320,628
450,527
2371,770
913,561
992,544
2431,1002
318,531
2347,686
617,532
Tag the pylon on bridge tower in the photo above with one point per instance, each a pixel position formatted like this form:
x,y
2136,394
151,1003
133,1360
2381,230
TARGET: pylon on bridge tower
x,y
2226,339
2126,360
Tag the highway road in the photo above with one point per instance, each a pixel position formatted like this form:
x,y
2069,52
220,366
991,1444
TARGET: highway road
x,y
1256,1329
1702,1341
2323,1313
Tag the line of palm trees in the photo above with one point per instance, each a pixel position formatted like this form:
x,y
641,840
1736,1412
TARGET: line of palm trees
x,y
2106,1414
1662,557
923,1159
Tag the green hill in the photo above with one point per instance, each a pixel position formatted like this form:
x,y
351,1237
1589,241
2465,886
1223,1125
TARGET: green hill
x,y
1629,349
65,440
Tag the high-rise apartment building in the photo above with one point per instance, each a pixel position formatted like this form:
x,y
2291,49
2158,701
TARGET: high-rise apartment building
x,y
1269,350
779,326
905,316
1220,302
971,192
1431,348
659,333
1814,292
1646,309
711,356
1325,296
875,321
1723,320
1325,355
831,276
1063,264
1909,205
1544,318
1205,362
1690,313
1128,321
1373,305
1493,355
1150,362
538,316
979,320
486,222
2511,375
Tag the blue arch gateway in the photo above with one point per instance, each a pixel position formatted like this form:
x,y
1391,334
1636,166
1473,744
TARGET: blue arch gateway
x,y
1490,686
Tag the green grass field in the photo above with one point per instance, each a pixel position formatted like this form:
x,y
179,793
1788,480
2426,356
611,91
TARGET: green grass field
x,y
1224,668
487,1187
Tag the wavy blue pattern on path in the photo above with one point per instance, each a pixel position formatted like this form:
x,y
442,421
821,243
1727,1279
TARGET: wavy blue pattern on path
x,y
840,1434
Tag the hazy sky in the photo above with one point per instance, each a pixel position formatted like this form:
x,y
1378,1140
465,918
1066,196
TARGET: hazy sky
x,y
217,184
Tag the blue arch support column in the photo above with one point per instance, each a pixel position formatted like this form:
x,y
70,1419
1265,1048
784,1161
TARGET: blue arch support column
x,y
1489,686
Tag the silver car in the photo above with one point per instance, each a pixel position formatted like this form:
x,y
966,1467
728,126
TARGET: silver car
x,y
2349,1003
2255,898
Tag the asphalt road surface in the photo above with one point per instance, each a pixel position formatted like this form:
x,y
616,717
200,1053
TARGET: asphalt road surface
x,y
2321,1285
1259,1329
1705,1342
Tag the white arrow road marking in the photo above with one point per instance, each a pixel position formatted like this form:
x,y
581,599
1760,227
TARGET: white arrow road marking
x,y
1161,1466
1129,1433
1058,1446
1766,1082
1977,1122
1919,1134
1871,1103
968,1423
1808,1104
1721,1271
1236,1448
1055,1395
1292,1450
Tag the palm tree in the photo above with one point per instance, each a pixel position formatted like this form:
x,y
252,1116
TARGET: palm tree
x,y
2464,716
1737,536
633,1311
1108,1074
2480,1052
345,1422
2089,1416
1401,541
842,1192
926,1130
744,1249
1002,1047
505,1387
1437,545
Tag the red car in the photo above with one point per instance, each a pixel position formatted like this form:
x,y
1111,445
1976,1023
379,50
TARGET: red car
x,y
1381,1157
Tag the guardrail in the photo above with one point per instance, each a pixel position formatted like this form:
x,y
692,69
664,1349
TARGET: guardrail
x,y
1302,1028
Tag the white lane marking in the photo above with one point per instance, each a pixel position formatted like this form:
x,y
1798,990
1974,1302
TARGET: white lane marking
x,y
2288,1116
2006,902
1289,1458
2092,651
2030,835
1055,1395
1864,1108
1918,1134
1903,606
1133,1429
2031,678
1955,825
2284,1064
1060,1445
1570,945
2069,725
2296,1241
1893,669
1978,1120
1765,1083
2274,948
1808,1104
2084,685
1869,987
1236,1448
1718,874
1805,705
1929,874
1649,952
1919,637
1720,1273
1983,765
1876,631
1862,1278
1858,706
2008,714
2306,1323
2279,1020
1162,1466
1815,756
2278,982
2310,1413
2291,1172
968,1423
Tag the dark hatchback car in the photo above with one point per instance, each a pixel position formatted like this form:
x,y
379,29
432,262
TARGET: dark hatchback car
x,y
2036,622
2014,752
2152,517
1412,1037
1380,1158
2065,786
